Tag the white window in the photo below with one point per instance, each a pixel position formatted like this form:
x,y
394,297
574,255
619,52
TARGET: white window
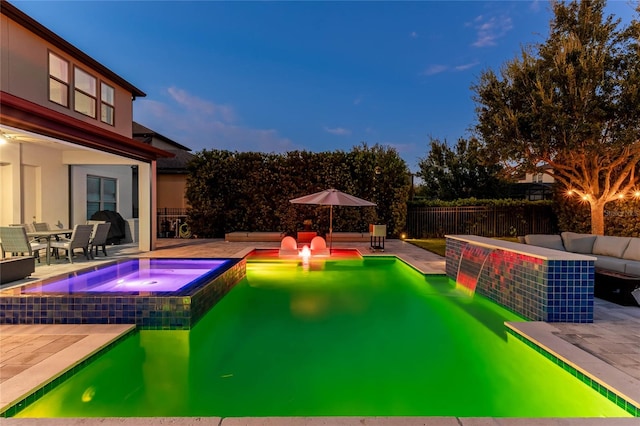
x,y
107,103
84,100
58,80
101,195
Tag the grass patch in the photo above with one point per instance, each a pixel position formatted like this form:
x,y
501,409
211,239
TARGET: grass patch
x,y
434,245
439,245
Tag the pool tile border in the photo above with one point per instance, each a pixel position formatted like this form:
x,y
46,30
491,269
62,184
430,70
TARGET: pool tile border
x,y
551,289
47,387
602,388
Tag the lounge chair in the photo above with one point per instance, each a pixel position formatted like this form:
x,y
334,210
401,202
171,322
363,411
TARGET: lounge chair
x,y
14,240
99,237
79,240
319,247
288,247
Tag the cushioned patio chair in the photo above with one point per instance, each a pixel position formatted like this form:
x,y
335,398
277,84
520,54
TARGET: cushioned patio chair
x,y
319,247
288,247
99,237
79,240
14,240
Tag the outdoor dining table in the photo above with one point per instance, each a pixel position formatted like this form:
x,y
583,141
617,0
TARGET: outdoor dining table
x,y
48,235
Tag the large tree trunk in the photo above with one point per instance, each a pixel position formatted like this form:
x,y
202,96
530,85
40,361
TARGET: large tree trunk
x,y
597,217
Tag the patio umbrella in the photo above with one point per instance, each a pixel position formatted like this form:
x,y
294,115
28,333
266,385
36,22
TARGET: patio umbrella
x,y
332,197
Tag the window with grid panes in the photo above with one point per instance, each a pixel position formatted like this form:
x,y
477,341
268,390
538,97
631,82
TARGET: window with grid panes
x,y
107,103
58,80
84,89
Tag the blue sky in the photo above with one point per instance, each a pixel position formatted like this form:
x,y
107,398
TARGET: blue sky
x,y
279,76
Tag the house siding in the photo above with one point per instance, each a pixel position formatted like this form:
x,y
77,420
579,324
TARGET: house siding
x,y
24,70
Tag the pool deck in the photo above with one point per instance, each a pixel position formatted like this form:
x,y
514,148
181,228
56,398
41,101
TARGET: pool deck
x,y
607,350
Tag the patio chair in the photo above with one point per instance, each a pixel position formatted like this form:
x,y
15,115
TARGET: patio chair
x,y
27,226
41,226
288,247
79,240
14,240
99,237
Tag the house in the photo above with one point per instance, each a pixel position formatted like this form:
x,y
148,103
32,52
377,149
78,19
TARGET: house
x,y
66,121
171,179
535,186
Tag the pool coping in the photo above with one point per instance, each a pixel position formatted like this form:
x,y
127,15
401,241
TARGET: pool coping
x,y
541,338
33,382
609,381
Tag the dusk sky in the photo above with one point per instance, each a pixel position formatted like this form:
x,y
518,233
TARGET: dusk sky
x,y
319,76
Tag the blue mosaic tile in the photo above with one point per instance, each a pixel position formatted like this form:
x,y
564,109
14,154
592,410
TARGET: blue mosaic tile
x,y
538,289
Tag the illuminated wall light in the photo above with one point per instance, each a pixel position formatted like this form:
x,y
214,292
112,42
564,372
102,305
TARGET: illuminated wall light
x,y
636,194
570,192
585,197
621,196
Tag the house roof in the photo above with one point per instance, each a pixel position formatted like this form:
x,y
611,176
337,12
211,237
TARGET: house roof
x,y
144,134
175,165
40,30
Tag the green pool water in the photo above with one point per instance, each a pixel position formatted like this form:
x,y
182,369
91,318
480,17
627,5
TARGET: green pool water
x,y
342,338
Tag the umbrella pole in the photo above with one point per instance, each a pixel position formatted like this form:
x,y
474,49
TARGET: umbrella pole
x,y
330,228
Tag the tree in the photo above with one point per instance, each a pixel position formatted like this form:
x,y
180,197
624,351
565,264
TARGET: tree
x,y
461,172
572,103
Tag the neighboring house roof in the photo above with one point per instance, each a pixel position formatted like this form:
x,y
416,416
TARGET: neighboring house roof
x,y
143,133
40,30
175,165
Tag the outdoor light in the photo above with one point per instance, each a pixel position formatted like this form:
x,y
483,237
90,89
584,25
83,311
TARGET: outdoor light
x,y
585,197
570,192
636,194
403,236
621,196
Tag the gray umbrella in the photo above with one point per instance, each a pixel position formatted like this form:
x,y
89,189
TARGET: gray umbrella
x,y
332,197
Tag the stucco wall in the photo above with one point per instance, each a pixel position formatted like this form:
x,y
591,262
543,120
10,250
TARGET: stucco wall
x,y
44,185
79,184
171,191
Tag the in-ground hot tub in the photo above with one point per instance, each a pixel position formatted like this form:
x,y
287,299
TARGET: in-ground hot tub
x,y
151,293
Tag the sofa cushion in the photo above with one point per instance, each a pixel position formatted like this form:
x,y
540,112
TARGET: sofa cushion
x,y
578,243
633,250
610,246
551,241
632,268
611,263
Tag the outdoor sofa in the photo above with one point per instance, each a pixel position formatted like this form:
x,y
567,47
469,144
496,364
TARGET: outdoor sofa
x,y
617,260
254,236
349,237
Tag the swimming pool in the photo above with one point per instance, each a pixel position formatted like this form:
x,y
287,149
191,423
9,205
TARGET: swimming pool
x,y
366,337
151,293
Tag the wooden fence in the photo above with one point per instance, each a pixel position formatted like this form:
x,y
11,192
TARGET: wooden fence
x,y
487,221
